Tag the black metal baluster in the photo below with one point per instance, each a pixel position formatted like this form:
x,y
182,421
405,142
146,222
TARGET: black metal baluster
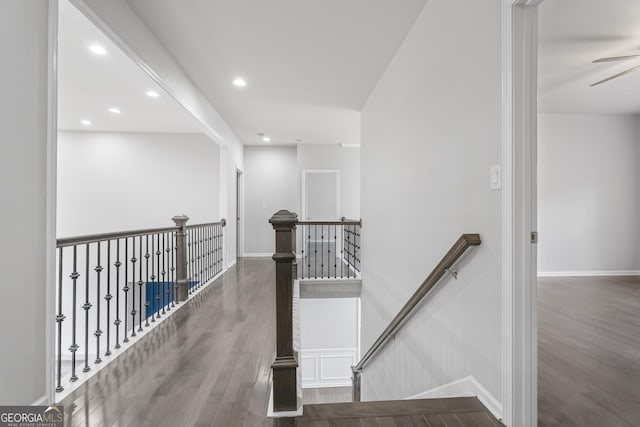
x,y
168,269
199,257
59,319
126,286
98,331
342,252
308,252
221,248
157,291
86,306
146,285
153,279
74,345
335,251
164,280
140,282
188,250
116,322
172,269
321,250
315,250
133,286
107,298
209,257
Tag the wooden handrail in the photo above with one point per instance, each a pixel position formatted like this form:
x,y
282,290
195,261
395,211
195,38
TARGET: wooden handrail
x,y
341,222
459,247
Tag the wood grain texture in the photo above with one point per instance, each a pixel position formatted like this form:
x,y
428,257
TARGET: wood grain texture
x,y
209,365
589,351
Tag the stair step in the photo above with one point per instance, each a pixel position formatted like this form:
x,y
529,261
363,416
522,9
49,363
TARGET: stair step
x,y
457,411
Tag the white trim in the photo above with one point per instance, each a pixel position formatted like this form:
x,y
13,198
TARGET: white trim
x,y
519,114
468,386
303,203
585,273
319,356
51,200
258,254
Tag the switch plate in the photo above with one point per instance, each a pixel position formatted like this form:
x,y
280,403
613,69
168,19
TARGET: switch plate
x,y
495,177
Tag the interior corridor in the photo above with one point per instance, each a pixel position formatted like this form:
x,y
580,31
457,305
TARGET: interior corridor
x,y
208,364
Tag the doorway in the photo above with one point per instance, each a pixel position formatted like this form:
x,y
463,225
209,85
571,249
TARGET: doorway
x,y
321,195
239,213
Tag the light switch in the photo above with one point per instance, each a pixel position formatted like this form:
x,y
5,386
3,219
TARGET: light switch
x,y
495,180
264,205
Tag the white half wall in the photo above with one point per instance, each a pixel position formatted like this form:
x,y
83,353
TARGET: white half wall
x,y
24,177
329,341
270,183
125,181
588,208
335,157
430,132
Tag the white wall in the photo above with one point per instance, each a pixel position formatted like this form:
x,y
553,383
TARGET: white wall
x,y
430,132
588,216
270,183
125,181
329,341
24,214
129,32
346,161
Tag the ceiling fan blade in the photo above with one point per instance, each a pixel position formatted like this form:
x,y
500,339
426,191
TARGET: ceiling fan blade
x,y
616,58
624,73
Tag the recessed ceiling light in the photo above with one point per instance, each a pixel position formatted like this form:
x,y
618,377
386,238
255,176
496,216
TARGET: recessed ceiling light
x,y
97,49
266,139
114,110
152,94
240,82
85,122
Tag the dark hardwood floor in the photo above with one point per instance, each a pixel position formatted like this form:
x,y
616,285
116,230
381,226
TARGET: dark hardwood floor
x,y
209,365
589,352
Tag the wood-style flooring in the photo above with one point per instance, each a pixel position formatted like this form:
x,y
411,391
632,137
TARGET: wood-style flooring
x,y
589,352
209,365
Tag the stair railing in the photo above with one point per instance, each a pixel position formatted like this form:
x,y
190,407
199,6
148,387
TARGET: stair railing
x,y
114,286
457,250
329,249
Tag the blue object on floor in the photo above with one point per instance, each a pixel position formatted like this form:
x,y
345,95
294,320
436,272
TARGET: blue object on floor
x,y
155,289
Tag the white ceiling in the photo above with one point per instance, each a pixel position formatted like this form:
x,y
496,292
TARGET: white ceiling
x,y
573,33
309,65
88,85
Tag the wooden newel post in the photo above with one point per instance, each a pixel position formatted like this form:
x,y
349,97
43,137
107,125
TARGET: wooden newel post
x,y
286,363
181,288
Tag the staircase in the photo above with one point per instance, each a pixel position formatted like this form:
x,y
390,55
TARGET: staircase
x,y
450,412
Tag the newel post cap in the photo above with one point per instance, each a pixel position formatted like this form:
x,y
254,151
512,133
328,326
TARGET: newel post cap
x,y
180,220
284,219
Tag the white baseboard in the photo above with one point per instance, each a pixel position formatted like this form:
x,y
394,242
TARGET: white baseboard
x,y
585,273
257,255
468,386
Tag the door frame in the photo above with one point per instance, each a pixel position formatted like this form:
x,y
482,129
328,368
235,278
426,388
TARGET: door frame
x,y
303,201
239,213
519,207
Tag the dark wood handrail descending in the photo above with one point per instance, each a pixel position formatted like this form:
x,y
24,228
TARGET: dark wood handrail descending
x,y
457,250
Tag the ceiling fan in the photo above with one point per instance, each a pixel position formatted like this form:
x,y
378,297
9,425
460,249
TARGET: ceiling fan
x,y
613,59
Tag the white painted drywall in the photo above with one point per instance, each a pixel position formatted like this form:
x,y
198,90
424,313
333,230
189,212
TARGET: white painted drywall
x,y
329,340
270,183
588,216
344,160
129,32
111,181
23,185
430,132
